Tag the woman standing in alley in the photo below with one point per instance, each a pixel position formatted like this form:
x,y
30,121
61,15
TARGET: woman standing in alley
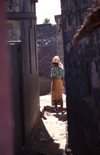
x,y
57,74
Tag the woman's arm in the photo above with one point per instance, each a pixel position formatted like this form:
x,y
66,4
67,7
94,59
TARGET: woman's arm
x,y
62,79
53,79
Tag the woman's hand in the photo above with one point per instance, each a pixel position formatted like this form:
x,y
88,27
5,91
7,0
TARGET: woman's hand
x,y
62,79
53,88
53,83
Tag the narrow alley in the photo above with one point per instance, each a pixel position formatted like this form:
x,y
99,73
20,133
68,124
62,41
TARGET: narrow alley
x,y
31,54
50,137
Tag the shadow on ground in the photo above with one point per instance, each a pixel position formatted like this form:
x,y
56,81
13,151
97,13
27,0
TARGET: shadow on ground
x,y
60,117
51,134
43,144
52,109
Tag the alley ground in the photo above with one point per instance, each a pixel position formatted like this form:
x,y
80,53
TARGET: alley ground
x,y
51,135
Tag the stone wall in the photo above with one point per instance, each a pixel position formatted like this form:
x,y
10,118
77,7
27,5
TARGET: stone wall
x,y
59,39
46,42
82,77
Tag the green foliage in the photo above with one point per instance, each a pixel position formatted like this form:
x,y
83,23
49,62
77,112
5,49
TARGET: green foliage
x,y
46,21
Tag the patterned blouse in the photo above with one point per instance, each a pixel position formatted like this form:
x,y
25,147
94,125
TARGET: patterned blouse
x,y
57,72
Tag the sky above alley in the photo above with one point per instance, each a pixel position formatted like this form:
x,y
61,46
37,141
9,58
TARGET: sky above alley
x,y
47,9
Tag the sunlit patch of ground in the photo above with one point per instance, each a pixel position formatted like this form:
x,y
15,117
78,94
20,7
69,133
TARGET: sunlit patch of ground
x,y
51,136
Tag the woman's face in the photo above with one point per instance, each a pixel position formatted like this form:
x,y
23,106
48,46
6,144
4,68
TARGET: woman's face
x,y
55,65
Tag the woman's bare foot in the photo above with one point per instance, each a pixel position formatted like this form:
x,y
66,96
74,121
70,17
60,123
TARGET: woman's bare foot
x,y
57,112
62,112
56,109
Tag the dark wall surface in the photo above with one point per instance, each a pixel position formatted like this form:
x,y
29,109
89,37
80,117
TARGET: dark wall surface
x,y
30,69
16,81
82,76
44,85
24,73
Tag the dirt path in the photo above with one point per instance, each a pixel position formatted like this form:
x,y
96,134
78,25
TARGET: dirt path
x,y
51,136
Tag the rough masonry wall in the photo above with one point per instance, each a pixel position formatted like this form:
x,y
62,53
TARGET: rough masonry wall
x,y
46,42
82,68
59,39
47,49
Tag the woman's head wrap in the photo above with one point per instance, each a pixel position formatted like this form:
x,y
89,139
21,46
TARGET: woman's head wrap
x,y
56,59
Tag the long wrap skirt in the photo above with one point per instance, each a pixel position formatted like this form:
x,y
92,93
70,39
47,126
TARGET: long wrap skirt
x,y
56,95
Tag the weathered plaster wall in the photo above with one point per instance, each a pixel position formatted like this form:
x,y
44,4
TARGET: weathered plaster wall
x,y
44,85
29,70
25,83
13,26
82,68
